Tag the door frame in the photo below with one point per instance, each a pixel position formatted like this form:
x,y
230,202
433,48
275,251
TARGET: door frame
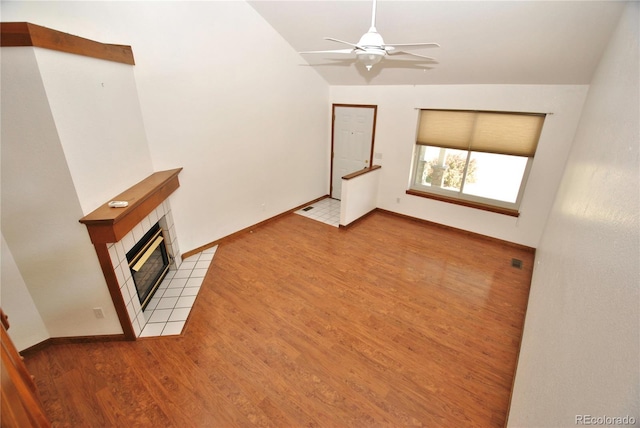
x,y
333,122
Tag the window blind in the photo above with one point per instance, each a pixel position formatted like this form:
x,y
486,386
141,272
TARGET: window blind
x,y
501,133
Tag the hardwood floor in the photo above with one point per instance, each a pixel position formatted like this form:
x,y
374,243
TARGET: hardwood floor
x,y
390,322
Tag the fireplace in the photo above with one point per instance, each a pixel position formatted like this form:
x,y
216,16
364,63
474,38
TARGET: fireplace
x,y
115,231
149,263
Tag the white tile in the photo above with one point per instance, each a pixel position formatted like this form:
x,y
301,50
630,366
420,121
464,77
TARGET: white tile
x,y
164,284
136,304
178,283
113,254
138,232
182,273
189,264
167,303
174,241
205,256
172,292
190,291
168,310
177,260
141,319
152,329
153,303
136,327
153,217
160,315
180,314
198,273
119,275
126,271
122,254
173,328
194,281
191,259
130,311
132,290
203,264
128,242
185,301
326,211
146,224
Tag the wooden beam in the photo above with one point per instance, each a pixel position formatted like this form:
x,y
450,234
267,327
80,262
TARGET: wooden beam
x,y
27,34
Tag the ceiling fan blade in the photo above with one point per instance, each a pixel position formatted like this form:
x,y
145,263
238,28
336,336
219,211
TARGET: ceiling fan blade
x,y
336,51
341,41
394,53
406,64
412,45
332,62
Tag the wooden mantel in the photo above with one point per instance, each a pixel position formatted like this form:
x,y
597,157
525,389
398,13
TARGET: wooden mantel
x,y
27,34
107,224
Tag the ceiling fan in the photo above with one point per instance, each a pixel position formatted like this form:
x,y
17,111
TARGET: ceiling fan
x,y
370,49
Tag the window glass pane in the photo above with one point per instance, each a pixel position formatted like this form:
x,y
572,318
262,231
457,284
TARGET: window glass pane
x,y
495,176
440,168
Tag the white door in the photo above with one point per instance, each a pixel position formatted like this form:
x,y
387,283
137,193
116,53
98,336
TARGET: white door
x,y
352,143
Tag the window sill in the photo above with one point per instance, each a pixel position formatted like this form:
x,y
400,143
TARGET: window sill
x,y
477,205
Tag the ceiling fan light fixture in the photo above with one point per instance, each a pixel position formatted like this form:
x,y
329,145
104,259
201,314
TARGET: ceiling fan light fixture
x,y
369,59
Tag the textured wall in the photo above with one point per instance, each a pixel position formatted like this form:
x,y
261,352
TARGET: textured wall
x,y
580,350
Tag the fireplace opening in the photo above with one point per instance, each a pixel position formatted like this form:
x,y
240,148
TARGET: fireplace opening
x,y
149,263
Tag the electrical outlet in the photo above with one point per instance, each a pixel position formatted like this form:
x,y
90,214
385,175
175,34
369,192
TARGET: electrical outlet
x,y
98,312
397,200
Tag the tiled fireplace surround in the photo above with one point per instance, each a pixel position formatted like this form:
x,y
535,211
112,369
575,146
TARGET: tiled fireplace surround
x,y
114,231
118,254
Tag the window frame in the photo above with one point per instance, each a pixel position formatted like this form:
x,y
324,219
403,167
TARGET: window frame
x,y
458,197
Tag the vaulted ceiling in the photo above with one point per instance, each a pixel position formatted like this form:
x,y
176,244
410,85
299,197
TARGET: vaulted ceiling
x,y
481,42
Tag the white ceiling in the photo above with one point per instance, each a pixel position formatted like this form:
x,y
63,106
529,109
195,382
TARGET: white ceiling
x,y
481,42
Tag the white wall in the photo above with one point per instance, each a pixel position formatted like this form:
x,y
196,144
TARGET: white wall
x,y
26,326
41,209
359,196
221,94
395,138
229,101
95,107
580,353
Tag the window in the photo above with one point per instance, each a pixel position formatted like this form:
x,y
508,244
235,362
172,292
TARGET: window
x,y
475,158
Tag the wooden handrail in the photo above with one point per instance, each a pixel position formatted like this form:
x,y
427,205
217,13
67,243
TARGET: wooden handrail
x,y
26,34
361,172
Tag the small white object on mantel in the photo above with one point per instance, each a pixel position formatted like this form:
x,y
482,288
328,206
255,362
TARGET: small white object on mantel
x,y
118,204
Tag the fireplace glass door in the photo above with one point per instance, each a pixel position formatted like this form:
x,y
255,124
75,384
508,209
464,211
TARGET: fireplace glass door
x,y
149,263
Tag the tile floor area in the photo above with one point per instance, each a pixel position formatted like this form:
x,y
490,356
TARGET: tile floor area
x,y
326,210
167,312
